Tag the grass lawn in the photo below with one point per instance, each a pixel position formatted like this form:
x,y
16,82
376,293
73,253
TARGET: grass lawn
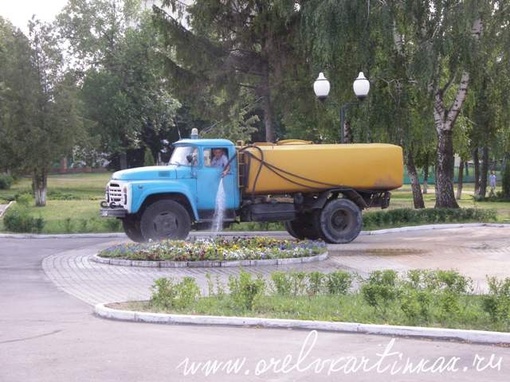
x,y
80,186
72,203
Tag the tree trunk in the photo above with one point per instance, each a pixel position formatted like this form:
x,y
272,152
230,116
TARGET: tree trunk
x,y
445,196
476,165
268,119
444,120
460,183
483,171
415,182
266,106
40,186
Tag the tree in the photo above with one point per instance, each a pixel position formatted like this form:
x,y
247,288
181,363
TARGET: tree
x,y
439,41
231,48
124,93
42,109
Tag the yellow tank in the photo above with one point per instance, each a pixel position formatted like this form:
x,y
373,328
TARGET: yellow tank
x,y
298,166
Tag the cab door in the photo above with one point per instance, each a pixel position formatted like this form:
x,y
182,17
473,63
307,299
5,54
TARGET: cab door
x,y
208,186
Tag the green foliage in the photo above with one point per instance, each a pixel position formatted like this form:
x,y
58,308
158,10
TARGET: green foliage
x,y
406,216
18,219
5,181
58,195
316,281
166,294
256,226
215,287
310,284
497,302
381,289
281,283
338,282
24,199
245,290
163,293
124,95
416,305
148,158
419,297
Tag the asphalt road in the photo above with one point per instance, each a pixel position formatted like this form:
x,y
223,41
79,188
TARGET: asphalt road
x,y
49,333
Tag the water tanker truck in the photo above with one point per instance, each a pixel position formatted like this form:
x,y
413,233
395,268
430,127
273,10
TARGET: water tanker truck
x,y
317,190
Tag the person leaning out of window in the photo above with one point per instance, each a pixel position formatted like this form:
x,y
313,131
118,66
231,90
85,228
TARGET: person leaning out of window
x,y
220,160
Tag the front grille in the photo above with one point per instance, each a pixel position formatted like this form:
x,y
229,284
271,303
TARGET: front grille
x,y
114,192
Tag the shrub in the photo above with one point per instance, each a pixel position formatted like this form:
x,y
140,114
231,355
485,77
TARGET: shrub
x,y
408,216
163,293
18,219
217,288
281,283
5,182
381,289
497,302
339,282
24,199
316,282
166,294
415,304
244,290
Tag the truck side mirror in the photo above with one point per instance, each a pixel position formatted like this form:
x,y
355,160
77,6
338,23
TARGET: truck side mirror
x,y
189,158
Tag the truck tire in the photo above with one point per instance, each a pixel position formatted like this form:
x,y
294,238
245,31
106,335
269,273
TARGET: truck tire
x,y
290,226
165,219
304,227
132,229
340,221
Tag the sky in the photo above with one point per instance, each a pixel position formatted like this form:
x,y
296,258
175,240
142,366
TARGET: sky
x,y
19,12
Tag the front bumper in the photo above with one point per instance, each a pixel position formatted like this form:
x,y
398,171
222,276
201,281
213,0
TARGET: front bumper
x,y
113,212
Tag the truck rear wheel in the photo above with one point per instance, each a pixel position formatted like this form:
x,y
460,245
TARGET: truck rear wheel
x,y
165,219
304,227
132,229
340,221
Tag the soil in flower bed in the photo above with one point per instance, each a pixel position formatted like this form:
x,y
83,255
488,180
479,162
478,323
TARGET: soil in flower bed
x,y
216,249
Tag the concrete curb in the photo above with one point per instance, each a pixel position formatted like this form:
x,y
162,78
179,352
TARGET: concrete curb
x,y
208,263
474,336
434,226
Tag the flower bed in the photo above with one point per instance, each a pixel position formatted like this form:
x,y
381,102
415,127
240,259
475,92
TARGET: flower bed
x,y
216,249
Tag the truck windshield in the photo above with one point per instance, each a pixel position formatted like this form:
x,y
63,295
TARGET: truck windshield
x,y
184,156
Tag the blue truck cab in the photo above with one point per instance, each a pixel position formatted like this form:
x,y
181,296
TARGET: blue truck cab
x,y
166,201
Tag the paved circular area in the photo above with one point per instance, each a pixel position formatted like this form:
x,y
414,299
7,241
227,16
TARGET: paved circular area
x,y
476,251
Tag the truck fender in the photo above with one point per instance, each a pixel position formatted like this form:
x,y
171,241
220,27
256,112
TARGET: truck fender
x,y
350,194
156,191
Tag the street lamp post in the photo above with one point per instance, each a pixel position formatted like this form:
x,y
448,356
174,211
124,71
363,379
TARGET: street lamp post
x,y
361,87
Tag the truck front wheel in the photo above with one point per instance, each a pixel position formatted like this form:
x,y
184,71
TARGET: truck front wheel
x,y
132,229
340,221
165,219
